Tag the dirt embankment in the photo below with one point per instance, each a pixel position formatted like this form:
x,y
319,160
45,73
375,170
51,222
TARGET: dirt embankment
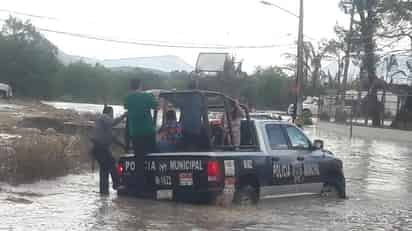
x,y
38,141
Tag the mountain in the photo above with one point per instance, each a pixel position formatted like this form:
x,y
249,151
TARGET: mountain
x,y
166,63
66,59
131,69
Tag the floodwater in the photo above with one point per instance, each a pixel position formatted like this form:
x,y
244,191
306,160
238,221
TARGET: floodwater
x,y
9,107
85,107
379,187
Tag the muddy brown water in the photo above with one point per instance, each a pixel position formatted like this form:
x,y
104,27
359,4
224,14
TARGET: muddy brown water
x,y
379,186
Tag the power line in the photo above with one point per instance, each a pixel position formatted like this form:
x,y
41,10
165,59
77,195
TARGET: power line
x,y
29,15
156,43
159,44
139,43
280,8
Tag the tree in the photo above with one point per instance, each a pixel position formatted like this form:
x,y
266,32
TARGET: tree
x,y
27,59
313,57
228,81
397,21
272,87
369,17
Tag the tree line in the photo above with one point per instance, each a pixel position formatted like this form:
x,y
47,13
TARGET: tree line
x,y
30,64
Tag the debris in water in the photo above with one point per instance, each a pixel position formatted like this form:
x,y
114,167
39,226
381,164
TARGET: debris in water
x,y
19,200
5,136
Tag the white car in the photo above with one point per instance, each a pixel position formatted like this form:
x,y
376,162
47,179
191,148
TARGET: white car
x,y
5,91
309,105
264,116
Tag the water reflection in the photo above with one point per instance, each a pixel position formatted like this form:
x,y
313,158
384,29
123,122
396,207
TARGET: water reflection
x,y
378,182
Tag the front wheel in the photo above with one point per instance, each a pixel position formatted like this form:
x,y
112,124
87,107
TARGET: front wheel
x,y
330,191
246,195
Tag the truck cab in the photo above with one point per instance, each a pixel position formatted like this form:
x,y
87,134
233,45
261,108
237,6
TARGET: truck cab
x,y
274,159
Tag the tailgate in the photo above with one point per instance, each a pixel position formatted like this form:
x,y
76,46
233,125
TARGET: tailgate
x,y
128,172
170,175
177,172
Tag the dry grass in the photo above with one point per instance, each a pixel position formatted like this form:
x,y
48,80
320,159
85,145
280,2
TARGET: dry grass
x,y
40,156
41,152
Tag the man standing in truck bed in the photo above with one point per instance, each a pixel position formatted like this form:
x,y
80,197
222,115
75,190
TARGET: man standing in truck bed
x,y
141,128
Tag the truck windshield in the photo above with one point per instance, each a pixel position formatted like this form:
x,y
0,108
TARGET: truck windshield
x,y
297,138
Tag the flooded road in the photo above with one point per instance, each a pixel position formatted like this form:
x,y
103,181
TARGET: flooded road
x,y
379,187
84,107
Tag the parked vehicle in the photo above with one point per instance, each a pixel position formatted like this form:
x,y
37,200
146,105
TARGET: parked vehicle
x,y
310,106
265,116
274,159
5,91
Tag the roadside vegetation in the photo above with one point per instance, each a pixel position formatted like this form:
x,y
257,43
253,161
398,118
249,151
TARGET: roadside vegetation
x,y
36,155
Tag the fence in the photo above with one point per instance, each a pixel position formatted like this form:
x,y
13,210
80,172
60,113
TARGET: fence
x,y
358,108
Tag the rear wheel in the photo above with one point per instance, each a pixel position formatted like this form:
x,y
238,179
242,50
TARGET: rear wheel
x,y
123,192
246,195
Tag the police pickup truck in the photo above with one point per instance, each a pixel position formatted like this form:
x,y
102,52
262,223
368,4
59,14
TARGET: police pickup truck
x,y
274,159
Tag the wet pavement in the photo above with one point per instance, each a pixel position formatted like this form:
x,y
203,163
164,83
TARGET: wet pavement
x,y
379,187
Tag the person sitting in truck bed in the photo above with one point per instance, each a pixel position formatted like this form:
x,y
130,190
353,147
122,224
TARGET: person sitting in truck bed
x,y
170,134
191,120
236,115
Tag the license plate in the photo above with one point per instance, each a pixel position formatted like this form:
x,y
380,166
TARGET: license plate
x,y
164,194
185,179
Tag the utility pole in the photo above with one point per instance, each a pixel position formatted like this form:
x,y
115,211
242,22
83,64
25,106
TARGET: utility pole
x,y
347,54
299,65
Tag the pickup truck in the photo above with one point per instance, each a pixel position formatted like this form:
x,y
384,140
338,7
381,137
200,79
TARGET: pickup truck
x,y
275,159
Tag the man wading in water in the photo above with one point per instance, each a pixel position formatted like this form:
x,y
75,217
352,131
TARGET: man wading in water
x,y
102,139
140,125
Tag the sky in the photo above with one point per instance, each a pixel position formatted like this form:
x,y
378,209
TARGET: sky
x,y
227,22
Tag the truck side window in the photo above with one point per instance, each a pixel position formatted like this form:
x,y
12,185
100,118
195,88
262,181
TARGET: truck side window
x,y
297,138
275,136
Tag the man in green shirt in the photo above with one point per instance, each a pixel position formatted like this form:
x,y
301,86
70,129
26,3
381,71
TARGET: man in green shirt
x,y
141,128
140,125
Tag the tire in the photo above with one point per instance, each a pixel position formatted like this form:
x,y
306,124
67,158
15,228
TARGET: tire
x,y
330,191
122,192
246,195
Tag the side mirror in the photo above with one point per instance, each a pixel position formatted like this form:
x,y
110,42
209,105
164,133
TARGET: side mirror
x,y
318,144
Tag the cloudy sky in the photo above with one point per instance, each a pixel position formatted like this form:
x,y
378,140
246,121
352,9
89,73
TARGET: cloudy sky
x,y
187,22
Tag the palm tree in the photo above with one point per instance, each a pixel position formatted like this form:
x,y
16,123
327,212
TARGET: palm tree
x,y
313,58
